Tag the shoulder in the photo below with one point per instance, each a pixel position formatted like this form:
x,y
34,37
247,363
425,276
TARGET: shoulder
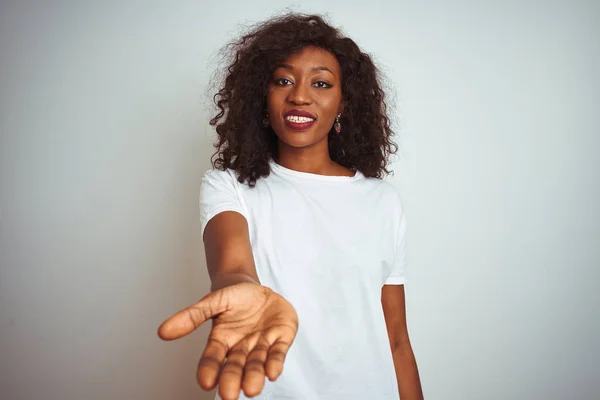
x,y
383,189
385,201
227,178
220,175
216,185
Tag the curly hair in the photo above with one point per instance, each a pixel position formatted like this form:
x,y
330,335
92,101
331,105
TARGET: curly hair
x,y
246,146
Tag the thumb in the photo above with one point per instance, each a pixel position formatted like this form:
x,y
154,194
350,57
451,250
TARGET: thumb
x,y
187,320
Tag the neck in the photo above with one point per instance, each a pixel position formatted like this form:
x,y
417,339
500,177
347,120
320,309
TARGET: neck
x,y
314,160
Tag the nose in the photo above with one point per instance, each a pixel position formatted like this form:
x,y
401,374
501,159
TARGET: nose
x,y
299,95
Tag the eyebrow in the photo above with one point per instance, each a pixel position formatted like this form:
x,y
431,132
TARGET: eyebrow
x,y
319,68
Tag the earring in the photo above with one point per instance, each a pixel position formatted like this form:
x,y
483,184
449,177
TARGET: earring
x,y
337,126
265,120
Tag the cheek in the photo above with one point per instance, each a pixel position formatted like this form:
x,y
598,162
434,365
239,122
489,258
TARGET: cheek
x,y
330,109
275,100
330,101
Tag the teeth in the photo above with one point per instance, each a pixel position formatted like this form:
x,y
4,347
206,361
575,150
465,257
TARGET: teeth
x,y
297,119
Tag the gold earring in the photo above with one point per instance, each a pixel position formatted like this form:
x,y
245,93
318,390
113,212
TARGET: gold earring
x,y
337,126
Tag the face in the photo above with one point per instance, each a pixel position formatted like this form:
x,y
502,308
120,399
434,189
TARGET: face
x,y
304,98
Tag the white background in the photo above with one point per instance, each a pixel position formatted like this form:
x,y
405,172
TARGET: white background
x,y
104,138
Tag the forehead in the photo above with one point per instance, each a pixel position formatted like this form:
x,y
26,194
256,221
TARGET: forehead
x,y
310,57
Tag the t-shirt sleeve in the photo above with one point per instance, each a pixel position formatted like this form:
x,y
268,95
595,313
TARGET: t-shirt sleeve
x,y
219,192
398,273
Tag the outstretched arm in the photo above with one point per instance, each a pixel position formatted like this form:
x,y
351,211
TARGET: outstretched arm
x,y
228,251
407,374
252,326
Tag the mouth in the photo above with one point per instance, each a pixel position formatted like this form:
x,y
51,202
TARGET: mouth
x,y
299,120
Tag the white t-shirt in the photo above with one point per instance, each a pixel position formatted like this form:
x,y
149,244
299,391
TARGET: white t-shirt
x,y
327,244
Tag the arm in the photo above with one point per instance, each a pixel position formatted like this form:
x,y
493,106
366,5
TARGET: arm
x,y
252,326
407,374
228,251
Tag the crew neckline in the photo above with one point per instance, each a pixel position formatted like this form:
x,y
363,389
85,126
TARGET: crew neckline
x,y
277,168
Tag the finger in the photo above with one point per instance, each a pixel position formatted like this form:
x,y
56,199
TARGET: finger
x,y
210,363
190,318
254,371
275,359
230,380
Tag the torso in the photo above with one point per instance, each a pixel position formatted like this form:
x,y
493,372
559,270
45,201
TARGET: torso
x,y
326,244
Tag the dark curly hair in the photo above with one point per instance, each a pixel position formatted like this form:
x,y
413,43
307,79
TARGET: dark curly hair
x,y
246,146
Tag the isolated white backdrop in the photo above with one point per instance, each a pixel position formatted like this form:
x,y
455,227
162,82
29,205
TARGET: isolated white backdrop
x,y
104,137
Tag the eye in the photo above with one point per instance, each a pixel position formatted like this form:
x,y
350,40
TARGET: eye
x,y
282,82
322,85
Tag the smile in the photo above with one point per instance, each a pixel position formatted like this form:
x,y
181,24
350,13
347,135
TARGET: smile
x,y
299,123
299,120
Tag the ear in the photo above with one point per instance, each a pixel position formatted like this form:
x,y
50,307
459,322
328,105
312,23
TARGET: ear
x,y
341,107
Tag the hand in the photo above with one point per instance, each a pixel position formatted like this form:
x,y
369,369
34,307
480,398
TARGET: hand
x,y
253,328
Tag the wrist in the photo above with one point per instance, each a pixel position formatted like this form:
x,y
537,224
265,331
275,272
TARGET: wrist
x,y
224,280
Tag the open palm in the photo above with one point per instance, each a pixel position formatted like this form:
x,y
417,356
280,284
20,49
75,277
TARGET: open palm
x,y
253,328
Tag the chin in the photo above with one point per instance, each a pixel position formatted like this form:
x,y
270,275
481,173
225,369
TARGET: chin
x,y
300,139
299,143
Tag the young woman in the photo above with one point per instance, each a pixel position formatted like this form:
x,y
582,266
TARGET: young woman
x,y
304,242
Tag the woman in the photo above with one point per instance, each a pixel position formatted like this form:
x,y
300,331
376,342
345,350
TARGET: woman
x,y
304,242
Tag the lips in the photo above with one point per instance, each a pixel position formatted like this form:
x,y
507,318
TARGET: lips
x,y
299,120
